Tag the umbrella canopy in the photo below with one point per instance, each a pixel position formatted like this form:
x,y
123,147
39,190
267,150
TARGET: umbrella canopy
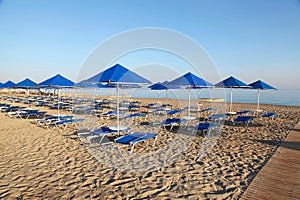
x,y
260,85
189,81
8,84
26,83
57,81
162,86
118,74
84,84
231,82
1,84
159,86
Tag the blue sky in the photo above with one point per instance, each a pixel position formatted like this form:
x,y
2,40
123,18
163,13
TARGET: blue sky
x,y
250,39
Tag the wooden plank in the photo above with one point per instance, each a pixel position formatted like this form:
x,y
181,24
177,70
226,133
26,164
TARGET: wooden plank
x,y
280,177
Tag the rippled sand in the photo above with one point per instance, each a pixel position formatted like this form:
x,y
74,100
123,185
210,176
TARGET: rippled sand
x,y
37,163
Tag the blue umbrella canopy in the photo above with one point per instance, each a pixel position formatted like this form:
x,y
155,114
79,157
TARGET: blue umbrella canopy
x,y
84,84
231,82
26,83
260,85
57,81
118,74
1,84
189,80
8,84
162,86
158,85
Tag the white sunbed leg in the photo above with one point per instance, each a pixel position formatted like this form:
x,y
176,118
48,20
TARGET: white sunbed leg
x,y
219,129
205,132
208,131
48,126
154,141
164,126
101,139
171,127
193,132
132,148
187,124
39,123
17,116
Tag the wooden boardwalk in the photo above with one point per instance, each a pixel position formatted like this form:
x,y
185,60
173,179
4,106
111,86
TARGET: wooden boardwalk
x,y
280,177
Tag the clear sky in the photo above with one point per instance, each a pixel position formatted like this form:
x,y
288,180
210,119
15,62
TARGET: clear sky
x,y
250,39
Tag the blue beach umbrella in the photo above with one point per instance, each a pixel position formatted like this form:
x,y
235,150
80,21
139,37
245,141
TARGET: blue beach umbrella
x,y
8,84
260,85
162,86
26,83
84,84
231,82
190,81
118,75
158,86
57,81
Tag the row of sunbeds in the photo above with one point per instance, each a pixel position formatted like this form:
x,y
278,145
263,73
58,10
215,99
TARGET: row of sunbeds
x,y
40,117
129,139
64,121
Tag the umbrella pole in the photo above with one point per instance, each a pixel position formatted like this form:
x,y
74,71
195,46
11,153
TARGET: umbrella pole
x,y
189,109
230,109
58,94
84,94
199,94
166,94
118,117
95,94
258,96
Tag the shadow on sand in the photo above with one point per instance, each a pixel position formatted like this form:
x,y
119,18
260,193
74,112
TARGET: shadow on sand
x,y
285,144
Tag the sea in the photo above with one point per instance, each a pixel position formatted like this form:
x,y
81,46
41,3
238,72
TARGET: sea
x,y
287,97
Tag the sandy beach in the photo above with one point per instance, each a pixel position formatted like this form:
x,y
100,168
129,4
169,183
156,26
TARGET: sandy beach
x,y
40,163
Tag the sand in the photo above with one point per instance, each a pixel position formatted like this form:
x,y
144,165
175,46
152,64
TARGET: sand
x,y
37,163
